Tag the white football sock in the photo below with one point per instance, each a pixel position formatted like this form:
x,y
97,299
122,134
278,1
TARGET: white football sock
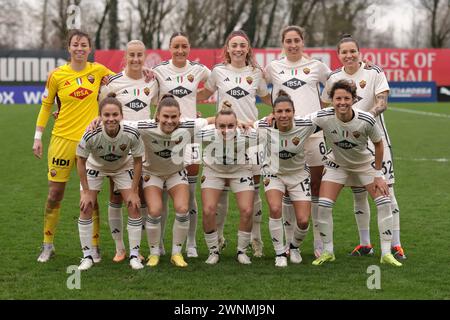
x,y
384,223
85,229
115,220
134,228
180,231
362,214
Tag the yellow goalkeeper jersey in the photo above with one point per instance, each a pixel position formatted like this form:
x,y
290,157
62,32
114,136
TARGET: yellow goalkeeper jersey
x,y
76,95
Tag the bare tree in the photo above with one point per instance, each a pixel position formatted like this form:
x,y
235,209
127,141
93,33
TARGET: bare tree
x,y
152,13
113,25
439,14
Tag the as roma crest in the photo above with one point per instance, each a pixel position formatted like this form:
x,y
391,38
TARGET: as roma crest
x,y
53,172
249,80
202,179
296,141
91,78
306,70
147,91
190,78
123,147
356,134
146,178
266,181
362,84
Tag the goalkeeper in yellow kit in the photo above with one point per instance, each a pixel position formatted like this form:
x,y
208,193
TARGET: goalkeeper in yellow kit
x,y
75,86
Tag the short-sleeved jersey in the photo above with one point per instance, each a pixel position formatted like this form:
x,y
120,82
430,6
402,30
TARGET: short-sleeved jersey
x,y
164,153
283,151
301,80
369,81
182,83
348,140
110,155
240,87
76,95
136,95
227,158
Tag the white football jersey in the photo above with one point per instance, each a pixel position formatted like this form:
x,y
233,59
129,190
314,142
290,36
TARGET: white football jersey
x,y
226,158
240,87
301,80
110,155
284,152
369,81
164,153
136,96
348,140
182,83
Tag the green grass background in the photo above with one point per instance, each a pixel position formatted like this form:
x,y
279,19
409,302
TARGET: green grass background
x,y
422,190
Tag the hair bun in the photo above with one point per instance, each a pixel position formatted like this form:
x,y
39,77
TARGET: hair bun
x,y
111,95
167,95
346,35
226,105
283,93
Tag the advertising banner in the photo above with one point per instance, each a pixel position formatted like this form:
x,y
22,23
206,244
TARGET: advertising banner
x,y
412,92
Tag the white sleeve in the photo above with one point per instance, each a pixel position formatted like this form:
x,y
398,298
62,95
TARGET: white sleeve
x,y
137,147
324,73
268,73
204,75
381,83
211,83
83,149
104,91
200,123
262,87
326,91
374,133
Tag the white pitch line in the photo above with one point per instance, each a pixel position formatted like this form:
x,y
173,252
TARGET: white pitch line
x,y
422,113
423,159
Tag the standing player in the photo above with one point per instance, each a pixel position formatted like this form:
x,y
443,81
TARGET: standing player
x,y
348,130
239,80
75,87
300,78
226,160
165,140
181,78
114,150
285,170
135,94
372,94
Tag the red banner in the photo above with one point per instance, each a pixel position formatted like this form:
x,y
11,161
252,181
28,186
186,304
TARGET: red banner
x,y
398,64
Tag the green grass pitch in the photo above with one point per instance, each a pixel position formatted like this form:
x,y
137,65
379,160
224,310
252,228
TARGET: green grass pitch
x,y
422,189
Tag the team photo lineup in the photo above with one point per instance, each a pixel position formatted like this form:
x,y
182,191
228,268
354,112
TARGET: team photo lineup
x,y
139,136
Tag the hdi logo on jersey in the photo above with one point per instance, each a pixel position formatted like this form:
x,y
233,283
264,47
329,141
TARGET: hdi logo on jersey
x,y
80,93
294,83
237,93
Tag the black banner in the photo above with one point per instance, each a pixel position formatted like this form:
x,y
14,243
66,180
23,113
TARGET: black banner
x,y
443,94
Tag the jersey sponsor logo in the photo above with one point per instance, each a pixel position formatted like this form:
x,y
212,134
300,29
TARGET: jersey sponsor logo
x,y
296,141
180,92
344,144
249,80
60,162
357,99
190,78
147,91
92,173
285,155
330,164
306,70
166,154
91,78
111,157
81,93
136,105
362,84
237,93
294,83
